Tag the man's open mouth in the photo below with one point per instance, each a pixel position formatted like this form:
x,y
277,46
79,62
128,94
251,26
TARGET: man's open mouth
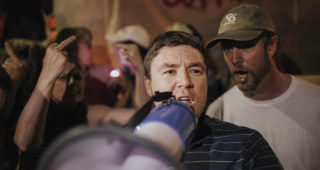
x,y
241,76
186,100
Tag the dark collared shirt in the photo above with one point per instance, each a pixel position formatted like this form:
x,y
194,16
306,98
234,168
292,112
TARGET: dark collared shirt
x,y
221,145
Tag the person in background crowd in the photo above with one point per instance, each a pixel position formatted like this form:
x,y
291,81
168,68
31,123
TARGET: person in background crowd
x,y
56,105
130,44
284,108
6,102
80,50
20,63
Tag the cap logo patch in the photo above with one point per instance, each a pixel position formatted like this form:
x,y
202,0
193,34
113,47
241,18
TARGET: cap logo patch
x,y
231,19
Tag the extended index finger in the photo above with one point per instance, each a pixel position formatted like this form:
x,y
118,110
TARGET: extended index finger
x,y
10,52
66,42
120,45
125,46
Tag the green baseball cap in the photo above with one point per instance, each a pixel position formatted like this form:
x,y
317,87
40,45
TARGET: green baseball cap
x,y
243,23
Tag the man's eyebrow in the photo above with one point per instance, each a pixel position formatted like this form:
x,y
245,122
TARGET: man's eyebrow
x,y
198,64
167,65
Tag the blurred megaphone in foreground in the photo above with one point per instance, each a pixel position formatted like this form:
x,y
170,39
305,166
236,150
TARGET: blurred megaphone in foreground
x,y
156,143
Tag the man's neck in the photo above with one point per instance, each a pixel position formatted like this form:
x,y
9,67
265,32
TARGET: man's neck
x,y
273,85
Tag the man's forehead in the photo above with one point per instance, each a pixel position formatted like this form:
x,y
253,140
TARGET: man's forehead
x,y
176,64
185,52
176,56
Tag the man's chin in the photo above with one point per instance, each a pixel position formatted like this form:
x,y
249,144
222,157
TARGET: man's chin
x,y
245,87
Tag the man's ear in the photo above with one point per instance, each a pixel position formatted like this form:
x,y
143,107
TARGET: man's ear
x,y
147,84
272,47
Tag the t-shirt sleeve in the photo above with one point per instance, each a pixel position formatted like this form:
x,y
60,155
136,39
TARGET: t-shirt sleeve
x,y
215,109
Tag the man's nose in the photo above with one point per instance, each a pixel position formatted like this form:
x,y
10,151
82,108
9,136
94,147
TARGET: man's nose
x,y
236,56
185,81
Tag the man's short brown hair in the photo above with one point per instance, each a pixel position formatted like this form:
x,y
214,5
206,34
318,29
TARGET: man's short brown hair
x,y
172,39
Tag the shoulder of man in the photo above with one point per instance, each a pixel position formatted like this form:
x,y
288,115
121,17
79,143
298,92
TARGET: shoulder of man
x,y
259,153
225,141
309,81
215,109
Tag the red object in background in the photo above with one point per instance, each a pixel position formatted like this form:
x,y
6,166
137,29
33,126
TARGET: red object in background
x,y
1,27
97,92
191,3
51,21
219,2
186,3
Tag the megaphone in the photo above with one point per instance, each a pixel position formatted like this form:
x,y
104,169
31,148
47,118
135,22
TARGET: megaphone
x,y
155,143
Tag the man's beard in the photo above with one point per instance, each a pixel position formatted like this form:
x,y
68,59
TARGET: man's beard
x,y
257,76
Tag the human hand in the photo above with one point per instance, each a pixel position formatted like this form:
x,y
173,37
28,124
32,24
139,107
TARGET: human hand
x,y
53,65
131,53
15,67
55,59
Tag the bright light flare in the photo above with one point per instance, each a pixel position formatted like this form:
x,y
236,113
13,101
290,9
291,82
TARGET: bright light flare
x,y
115,73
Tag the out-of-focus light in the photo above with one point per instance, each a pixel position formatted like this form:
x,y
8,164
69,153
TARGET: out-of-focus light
x,y
115,73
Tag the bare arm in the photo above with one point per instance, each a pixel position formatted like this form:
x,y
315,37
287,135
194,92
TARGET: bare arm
x,y
101,114
140,95
132,54
31,123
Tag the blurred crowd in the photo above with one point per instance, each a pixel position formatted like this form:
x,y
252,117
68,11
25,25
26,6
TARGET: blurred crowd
x,y
81,87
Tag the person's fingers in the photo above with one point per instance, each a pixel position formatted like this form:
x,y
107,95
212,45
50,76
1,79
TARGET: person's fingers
x,y
53,44
119,45
8,65
9,62
3,64
10,52
12,64
66,42
65,53
125,50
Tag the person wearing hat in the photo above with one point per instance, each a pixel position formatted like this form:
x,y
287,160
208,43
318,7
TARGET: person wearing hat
x,y
130,44
283,108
